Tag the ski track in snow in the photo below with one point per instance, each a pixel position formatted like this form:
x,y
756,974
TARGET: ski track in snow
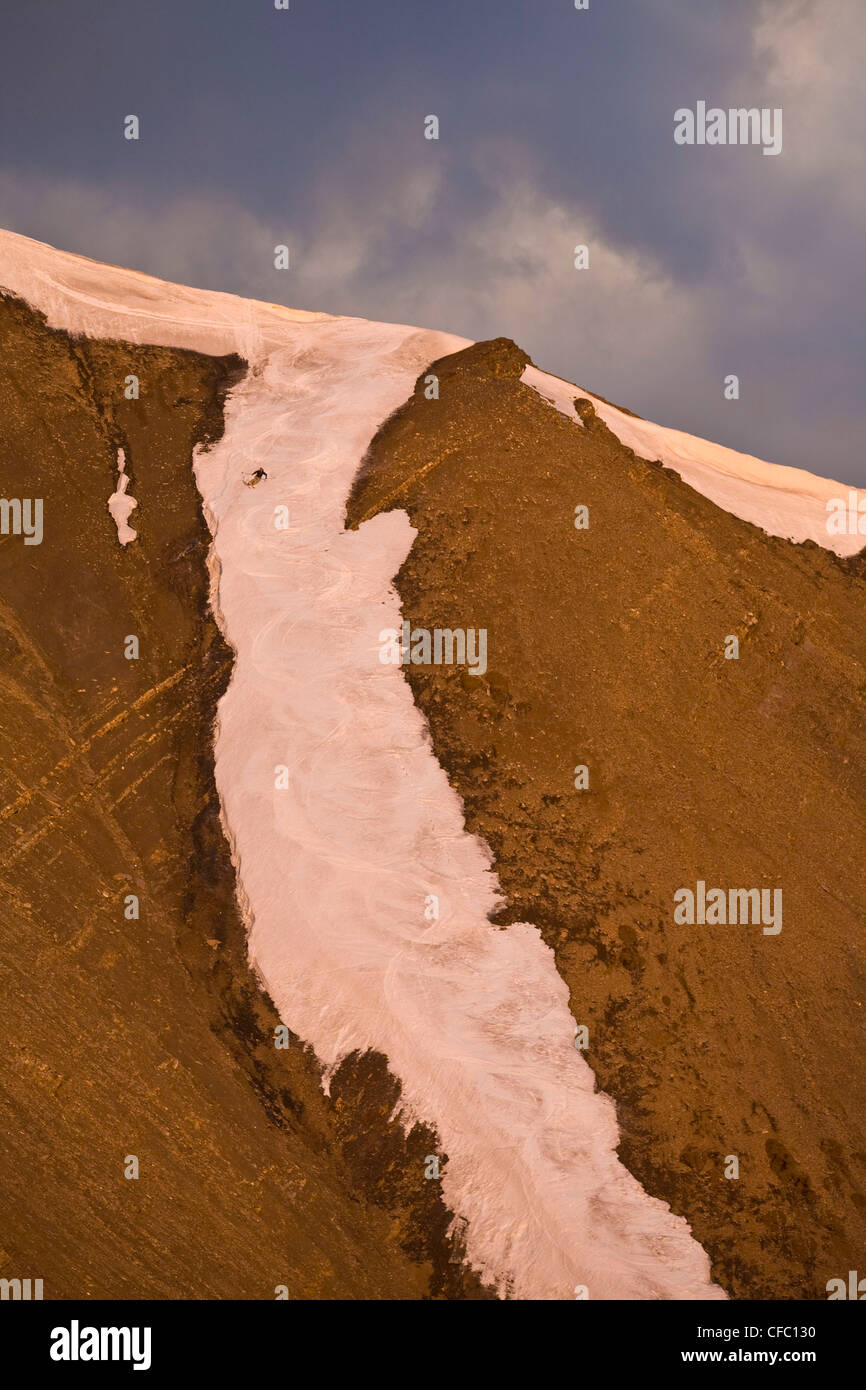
x,y
334,870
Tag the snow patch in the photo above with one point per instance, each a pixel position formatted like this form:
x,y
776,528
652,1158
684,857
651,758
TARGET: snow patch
x,y
120,504
786,502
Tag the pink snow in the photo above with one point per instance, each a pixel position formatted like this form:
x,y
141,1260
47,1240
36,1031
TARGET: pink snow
x,y
120,504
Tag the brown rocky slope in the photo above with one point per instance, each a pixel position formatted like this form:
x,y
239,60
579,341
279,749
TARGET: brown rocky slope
x,y
606,649
149,1037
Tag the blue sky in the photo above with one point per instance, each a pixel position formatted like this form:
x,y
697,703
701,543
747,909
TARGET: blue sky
x,y
306,127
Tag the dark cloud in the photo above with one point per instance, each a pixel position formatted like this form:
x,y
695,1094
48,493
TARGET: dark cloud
x,y
556,127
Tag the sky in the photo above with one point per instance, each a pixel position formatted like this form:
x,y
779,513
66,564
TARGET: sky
x,y
306,128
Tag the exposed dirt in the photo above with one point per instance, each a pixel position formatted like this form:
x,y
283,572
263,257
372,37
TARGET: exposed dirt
x,y
606,648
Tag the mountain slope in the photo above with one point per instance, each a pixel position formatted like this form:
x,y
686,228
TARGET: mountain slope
x,y
606,650
343,831
147,1035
